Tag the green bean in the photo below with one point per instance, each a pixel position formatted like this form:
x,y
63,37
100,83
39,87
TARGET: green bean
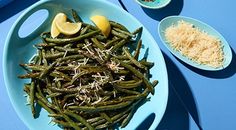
x,y
46,71
147,64
118,88
122,99
39,89
44,35
34,59
59,74
99,122
40,57
138,74
43,100
62,123
123,32
53,95
91,26
80,45
55,56
95,119
100,37
111,43
107,124
79,118
100,108
69,40
88,68
71,122
105,116
69,50
45,62
65,90
32,98
76,16
129,85
69,45
77,76
85,29
89,47
88,55
74,57
49,110
127,119
134,61
137,51
45,45
107,93
39,97
33,67
128,82
82,67
154,83
121,57
117,25
97,43
29,75
139,30
122,72
118,45
120,35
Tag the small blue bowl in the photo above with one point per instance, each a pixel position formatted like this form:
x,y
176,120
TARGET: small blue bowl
x,y
172,20
156,4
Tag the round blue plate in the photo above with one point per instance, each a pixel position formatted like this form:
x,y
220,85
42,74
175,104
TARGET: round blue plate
x,y
172,20
20,49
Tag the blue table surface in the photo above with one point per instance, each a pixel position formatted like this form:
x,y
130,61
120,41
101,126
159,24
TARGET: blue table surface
x,y
210,96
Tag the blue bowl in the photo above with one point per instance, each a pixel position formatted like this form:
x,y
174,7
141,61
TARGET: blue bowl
x,y
19,49
172,20
156,4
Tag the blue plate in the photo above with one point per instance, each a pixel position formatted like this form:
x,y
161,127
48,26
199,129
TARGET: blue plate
x,y
20,49
156,4
172,20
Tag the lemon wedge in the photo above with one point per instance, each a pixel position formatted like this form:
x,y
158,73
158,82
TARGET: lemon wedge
x,y
60,17
68,28
102,23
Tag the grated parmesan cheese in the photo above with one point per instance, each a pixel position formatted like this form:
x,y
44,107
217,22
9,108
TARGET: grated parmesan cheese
x,y
195,44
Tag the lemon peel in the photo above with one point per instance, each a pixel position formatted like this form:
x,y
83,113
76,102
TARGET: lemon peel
x,y
54,30
102,23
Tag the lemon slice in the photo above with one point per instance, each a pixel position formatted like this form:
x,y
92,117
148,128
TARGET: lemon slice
x,y
102,23
61,17
68,28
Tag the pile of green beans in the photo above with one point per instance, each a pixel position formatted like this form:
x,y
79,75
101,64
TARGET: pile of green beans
x,y
89,81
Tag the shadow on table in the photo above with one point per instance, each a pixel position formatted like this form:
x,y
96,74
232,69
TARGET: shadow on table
x,y
173,8
14,7
176,116
225,73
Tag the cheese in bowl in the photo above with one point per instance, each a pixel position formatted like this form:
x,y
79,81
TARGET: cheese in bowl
x,y
195,44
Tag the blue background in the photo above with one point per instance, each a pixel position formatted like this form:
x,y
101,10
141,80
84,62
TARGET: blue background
x,y
210,97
